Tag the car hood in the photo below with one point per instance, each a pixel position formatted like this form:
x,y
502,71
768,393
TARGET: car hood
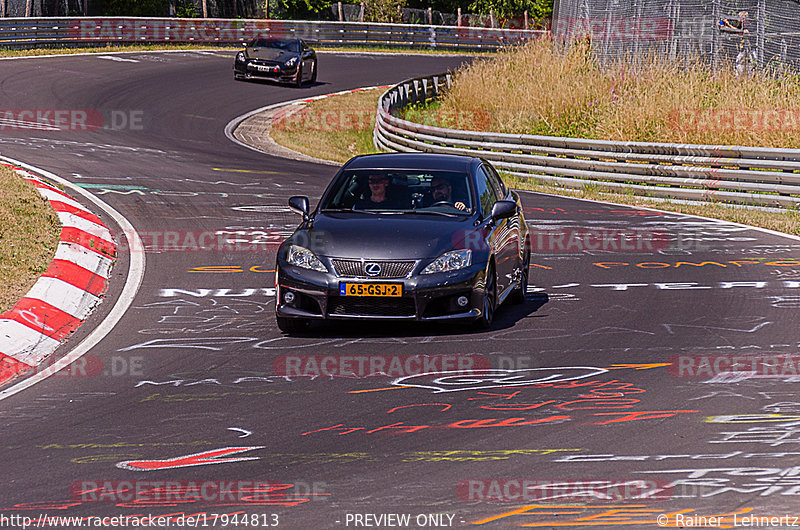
x,y
384,236
270,54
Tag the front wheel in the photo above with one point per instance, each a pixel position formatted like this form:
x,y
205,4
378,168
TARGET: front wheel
x,y
298,82
489,299
291,325
314,72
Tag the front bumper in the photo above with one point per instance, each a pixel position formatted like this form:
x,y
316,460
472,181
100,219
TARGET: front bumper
x,y
249,70
425,297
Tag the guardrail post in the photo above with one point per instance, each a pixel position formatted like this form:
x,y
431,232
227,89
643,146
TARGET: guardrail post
x,y
361,13
458,20
761,31
430,16
341,15
525,19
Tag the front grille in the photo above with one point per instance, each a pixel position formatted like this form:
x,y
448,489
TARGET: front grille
x,y
389,269
264,62
371,306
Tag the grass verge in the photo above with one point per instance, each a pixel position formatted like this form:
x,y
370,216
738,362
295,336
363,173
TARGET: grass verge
x,y
542,88
29,232
335,128
339,127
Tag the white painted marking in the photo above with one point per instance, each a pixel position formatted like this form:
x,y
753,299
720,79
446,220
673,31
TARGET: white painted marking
x,y
22,124
23,343
66,297
245,433
133,281
118,59
82,257
71,220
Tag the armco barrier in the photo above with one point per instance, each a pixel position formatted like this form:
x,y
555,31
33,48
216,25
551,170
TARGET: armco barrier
x,y
744,175
37,32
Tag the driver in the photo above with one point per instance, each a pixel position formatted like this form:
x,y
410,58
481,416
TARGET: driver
x,y
442,191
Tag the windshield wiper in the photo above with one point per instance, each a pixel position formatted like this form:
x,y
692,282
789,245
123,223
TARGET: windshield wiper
x,y
431,212
346,210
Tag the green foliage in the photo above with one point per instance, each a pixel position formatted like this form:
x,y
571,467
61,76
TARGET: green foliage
x,y
136,8
299,9
186,9
511,8
383,10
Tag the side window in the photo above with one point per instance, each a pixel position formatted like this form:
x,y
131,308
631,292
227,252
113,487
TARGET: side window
x,y
483,187
496,181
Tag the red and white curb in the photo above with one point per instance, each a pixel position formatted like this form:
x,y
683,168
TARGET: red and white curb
x,y
65,294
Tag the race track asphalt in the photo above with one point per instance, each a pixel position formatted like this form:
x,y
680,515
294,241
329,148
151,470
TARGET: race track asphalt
x,y
587,425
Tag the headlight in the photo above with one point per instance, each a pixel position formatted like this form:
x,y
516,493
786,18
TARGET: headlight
x,y
450,261
291,62
304,258
240,58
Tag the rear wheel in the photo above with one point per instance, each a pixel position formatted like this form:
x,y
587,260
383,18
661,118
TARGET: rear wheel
x,y
489,299
291,325
518,296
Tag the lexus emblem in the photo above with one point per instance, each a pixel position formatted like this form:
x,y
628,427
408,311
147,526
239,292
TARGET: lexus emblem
x,y
372,269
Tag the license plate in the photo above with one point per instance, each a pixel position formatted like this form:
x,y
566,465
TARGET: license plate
x,y
262,68
371,289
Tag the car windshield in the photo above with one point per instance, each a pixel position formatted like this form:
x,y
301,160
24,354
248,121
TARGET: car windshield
x,y
277,44
412,191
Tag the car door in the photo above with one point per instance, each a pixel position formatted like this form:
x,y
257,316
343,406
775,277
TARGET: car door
x,y
506,232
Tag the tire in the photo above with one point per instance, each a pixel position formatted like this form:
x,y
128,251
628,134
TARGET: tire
x,y
291,325
489,299
518,296
299,81
314,72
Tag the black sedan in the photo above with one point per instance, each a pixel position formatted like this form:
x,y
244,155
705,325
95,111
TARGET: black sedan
x,y
285,60
407,236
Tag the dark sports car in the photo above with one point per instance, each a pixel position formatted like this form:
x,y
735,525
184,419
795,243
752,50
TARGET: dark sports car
x,y
285,60
405,236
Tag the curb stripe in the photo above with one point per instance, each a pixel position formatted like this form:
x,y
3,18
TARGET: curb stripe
x,y
83,257
42,317
63,207
51,196
73,221
24,344
44,186
88,241
76,276
66,297
10,368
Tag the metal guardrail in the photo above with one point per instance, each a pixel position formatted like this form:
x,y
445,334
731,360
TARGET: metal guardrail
x,y
37,32
737,174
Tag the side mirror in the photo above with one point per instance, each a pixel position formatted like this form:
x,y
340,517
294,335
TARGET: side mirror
x,y
503,210
299,204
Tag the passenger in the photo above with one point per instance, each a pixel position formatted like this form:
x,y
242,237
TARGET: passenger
x,y
379,197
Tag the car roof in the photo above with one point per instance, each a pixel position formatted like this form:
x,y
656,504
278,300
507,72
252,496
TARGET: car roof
x,y
419,161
